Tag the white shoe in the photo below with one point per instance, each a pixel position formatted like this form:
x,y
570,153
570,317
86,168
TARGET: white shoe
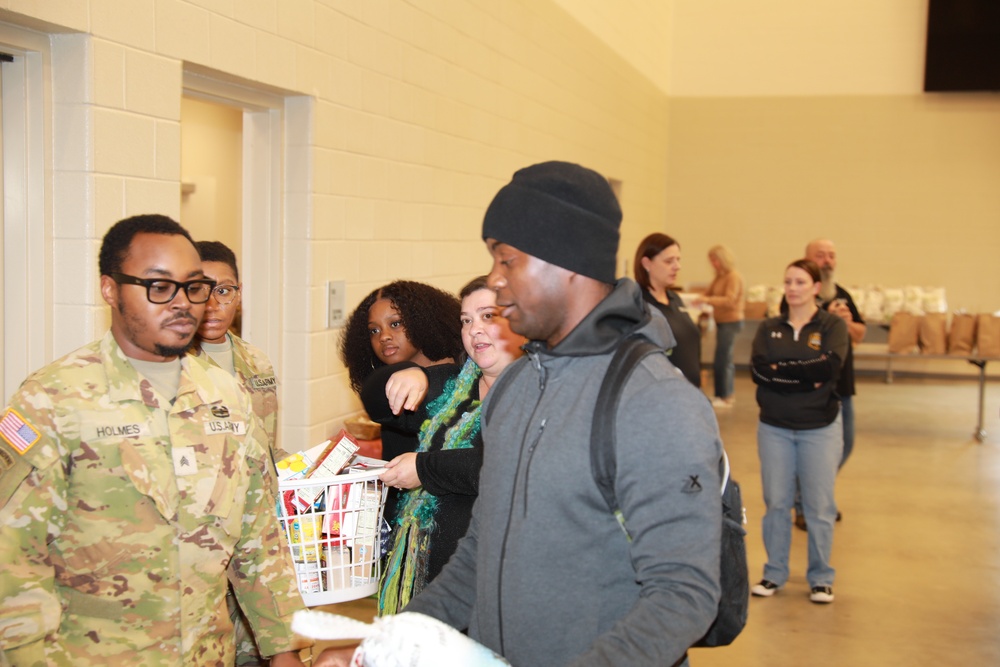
x,y
723,402
821,594
764,589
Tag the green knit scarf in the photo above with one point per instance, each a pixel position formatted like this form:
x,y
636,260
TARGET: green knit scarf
x,y
405,572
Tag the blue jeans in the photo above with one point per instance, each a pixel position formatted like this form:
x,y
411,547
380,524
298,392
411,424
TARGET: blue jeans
x,y
847,415
811,456
723,366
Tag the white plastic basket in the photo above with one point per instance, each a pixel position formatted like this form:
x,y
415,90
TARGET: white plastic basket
x,y
332,530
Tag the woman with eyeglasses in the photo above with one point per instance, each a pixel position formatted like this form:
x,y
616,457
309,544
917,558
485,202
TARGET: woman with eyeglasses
x,y
227,350
251,367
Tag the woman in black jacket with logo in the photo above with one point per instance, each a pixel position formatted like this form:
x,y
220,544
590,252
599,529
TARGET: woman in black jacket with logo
x,y
796,360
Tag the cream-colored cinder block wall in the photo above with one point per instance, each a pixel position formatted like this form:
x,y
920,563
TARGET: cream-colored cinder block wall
x,y
905,185
792,120
420,111
640,31
435,105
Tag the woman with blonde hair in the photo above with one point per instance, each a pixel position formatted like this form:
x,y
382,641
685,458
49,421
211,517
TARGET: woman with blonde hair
x,y
727,298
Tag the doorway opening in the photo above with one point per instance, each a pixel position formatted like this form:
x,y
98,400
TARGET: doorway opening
x,y
239,198
212,175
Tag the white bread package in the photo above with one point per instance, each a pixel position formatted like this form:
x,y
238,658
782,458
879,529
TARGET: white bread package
x,y
403,640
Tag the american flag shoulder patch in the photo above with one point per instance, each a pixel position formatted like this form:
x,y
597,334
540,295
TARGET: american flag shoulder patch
x,y
17,432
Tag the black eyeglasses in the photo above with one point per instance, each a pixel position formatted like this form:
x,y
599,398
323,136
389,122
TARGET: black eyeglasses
x,y
226,294
162,290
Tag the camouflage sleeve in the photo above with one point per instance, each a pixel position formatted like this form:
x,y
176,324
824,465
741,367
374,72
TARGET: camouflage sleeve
x,y
34,486
29,610
261,570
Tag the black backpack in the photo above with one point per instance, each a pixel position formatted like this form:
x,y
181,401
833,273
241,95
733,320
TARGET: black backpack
x,y
733,576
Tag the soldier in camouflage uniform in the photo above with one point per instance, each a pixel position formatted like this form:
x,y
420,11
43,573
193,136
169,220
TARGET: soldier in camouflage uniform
x,y
134,481
246,362
252,368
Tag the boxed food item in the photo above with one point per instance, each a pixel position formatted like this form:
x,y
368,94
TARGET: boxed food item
x,y
360,524
324,460
327,459
337,563
334,456
331,523
293,467
305,538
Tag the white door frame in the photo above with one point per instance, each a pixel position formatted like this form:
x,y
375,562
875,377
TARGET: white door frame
x,y
27,299
275,208
262,194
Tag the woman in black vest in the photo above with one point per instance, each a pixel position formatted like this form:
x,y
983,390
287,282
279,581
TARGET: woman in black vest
x,y
657,263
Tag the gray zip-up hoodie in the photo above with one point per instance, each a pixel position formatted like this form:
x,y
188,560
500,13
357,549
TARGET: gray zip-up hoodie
x,y
545,575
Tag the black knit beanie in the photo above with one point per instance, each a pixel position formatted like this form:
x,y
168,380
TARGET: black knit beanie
x,y
561,213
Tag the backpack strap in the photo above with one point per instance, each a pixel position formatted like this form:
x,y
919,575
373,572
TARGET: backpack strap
x,y
602,433
603,465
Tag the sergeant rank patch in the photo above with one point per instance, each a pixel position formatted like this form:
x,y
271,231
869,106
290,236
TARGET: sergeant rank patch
x,y
18,433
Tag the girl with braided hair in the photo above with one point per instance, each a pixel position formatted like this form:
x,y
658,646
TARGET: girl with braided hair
x,y
442,477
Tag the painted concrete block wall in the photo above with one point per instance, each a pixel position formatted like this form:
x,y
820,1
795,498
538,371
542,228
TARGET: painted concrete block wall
x,y
419,111
641,31
437,104
793,120
905,185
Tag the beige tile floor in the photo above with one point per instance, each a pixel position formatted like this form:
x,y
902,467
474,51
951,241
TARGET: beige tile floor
x,y
917,553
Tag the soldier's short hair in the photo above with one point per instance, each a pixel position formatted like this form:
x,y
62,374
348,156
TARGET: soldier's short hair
x,y
114,247
217,251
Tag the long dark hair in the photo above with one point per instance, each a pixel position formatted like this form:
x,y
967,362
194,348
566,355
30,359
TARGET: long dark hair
x,y
432,319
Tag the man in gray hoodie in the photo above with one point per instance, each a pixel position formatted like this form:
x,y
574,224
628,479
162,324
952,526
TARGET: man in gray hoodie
x,y
545,575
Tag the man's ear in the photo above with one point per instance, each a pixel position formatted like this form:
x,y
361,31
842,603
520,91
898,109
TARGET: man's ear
x,y
109,291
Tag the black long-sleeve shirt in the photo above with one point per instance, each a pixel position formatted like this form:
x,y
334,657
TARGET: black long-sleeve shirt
x,y
452,475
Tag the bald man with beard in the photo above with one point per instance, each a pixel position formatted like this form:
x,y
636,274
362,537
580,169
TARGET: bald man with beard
x,y
837,300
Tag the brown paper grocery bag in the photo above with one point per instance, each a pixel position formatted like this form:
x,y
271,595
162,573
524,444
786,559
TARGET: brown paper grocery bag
x,y
755,310
962,335
904,333
987,336
932,333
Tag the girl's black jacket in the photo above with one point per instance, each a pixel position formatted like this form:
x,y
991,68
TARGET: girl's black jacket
x,y
796,373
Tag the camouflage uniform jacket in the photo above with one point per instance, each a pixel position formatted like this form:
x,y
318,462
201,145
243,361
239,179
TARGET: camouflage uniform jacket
x,y
256,374
254,371
120,524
